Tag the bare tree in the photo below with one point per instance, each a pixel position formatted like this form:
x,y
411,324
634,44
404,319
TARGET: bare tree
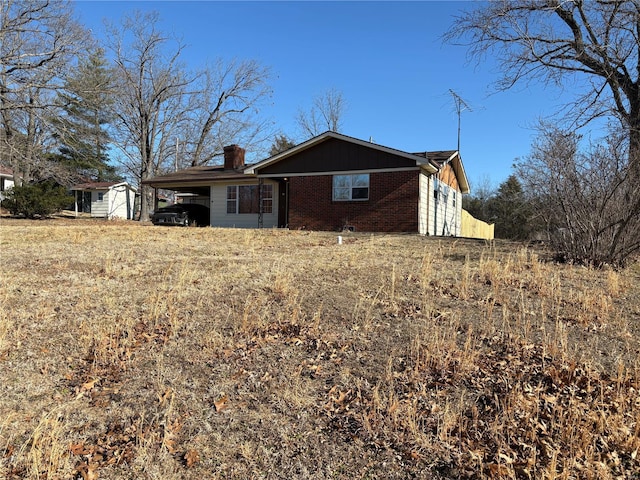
x,y
149,107
222,108
588,198
553,40
32,139
168,116
325,114
38,40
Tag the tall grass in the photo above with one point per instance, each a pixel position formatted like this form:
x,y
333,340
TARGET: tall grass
x,y
260,354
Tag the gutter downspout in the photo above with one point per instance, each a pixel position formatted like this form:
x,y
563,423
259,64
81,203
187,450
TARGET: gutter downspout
x,y
260,200
428,202
436,199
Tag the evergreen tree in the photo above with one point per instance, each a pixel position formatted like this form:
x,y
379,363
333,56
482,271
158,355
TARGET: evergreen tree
x,y
280,144
478,203
81,131
37,200
510,210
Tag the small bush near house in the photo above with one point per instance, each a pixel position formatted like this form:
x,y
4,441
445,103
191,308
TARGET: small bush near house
x,y
36,200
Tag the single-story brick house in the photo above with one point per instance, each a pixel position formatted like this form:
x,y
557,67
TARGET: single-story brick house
x,y
331,182
105,199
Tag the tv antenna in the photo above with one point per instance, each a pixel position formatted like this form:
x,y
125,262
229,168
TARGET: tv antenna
x,y
461,106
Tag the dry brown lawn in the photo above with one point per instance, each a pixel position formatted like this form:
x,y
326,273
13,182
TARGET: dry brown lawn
x,y
133,351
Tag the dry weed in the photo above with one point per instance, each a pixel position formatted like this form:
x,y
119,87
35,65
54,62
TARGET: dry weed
x,y
130,351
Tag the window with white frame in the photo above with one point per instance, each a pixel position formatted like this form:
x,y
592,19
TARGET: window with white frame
x,y
232,199
351,187
243,199
267,198
100,196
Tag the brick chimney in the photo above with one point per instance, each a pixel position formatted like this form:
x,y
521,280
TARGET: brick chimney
x,y
233,157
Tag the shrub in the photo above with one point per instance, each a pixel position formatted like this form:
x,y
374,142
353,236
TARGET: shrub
x,y
36,200
588,198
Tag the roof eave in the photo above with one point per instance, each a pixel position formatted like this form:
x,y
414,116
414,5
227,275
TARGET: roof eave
x,y
87,186
428,166
195,182
461,174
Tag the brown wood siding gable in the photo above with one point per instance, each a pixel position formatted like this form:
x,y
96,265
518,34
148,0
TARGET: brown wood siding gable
x,y
335,155
448,176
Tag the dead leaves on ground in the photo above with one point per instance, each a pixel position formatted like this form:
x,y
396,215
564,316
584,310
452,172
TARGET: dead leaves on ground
x,y
121,444
191,458
520,414
99,373
98,378
114,447
221,403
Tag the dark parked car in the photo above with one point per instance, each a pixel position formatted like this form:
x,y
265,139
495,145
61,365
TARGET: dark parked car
x,y
182,214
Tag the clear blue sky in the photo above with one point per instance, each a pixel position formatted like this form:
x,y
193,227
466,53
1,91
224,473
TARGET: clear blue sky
x,y
387,59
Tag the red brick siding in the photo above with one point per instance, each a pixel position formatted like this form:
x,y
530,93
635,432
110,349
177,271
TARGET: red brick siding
x,y
392,204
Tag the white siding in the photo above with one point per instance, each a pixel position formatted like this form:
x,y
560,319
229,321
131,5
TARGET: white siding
x,y
424,203
439,215
220,217
433,208
114,203
458,214
117,198
99,208
445,210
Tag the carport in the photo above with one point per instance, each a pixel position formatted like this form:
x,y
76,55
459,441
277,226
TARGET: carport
x,y
235,198
192,185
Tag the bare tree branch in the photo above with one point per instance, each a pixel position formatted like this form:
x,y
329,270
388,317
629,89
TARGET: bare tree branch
x,y
551,40
38,41
227,94
164,106
325,114
588,197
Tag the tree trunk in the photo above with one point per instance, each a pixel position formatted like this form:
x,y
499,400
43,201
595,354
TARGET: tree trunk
x,y
144,193
634,148
144,203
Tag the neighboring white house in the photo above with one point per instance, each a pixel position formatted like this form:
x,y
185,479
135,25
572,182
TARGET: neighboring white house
x,y
6,181
105,199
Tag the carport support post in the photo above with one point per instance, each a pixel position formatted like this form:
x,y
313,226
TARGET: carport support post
x,y
155,199
260,208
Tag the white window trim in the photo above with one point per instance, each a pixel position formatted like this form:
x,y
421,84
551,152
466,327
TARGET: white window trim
x,y
237,199
351,188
